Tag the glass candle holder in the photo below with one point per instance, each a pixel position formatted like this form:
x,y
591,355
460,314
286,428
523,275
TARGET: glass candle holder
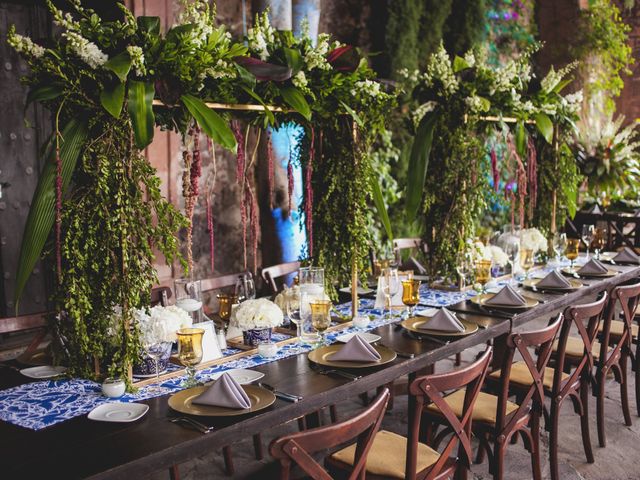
x,y
411,294
189,297
190,352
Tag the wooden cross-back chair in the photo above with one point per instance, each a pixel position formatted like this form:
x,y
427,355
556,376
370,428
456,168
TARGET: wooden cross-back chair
x,y
221,282
615,351
574,362
274,272
161,296
421,461
413,245
622,230
297,448
23,323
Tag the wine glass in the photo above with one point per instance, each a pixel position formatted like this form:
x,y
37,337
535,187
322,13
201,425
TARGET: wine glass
x,y
598,241
463,268
321,316
483,273
559,244
390,286
155,350
292,302
587,236
245,287
526,261
190,352
411,294
225,302
512,249
573,245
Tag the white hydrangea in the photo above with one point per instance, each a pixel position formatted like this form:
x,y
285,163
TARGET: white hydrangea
x,y
25,45
532,239
137,60
256,314
159,324
300,80
86,50
496,255
290,295
317,57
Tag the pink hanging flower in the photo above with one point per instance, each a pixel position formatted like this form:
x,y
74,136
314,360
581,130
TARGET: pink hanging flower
x,y
271,168
58,211
290,184
532,170
494,171
210,232
309,194
237,132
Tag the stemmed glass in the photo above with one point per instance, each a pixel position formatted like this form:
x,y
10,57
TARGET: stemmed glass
x,y
411,294
573,244
245,287
155,350
598,241
512,249
320,316
483,273
463,268
292,302
526,261
587,236
390,286
190,352
559,244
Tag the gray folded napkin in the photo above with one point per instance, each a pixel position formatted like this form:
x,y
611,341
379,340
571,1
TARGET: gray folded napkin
x,y
627,256
445,321
356,350
554,280
507,296
593,267
225,392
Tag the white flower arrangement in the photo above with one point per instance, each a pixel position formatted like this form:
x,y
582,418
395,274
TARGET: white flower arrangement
x,y
317,57
532,239
24,44
86,50
496,255
260,36
137,60
159,324
257,314
291,295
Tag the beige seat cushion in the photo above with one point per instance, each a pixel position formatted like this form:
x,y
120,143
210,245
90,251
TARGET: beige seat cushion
x,y
521,375
388,455
483,411
575,347
617,327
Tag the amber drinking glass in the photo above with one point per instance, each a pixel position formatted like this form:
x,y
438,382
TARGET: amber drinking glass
x,y
571,252
411,294
225,301
320,316
598,242
526,261
190,352
483,273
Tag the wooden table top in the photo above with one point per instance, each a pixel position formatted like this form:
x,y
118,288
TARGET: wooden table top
x,y
81,448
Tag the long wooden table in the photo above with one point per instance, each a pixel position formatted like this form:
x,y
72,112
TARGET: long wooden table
x,y
81,448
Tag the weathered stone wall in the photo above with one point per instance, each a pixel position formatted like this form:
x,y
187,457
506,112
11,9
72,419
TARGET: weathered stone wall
x,y
629,102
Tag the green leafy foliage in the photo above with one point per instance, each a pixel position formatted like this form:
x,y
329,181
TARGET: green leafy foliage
x,y
140,106
419,162
209,120
112,99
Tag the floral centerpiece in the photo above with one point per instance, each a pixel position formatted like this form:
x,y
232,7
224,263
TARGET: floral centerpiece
x,y
532,239
256,318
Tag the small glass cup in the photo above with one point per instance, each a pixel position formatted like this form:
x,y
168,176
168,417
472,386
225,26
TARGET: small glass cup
x,y
190,352
411,294
320,316
189,297
225,301
483,273
571,251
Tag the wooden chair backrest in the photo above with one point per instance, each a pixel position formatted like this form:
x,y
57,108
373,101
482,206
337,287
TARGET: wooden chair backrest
x,y
521,342
160,296
270,274
400,244
627,297
223,281
432,388
298,447
586,319
23,322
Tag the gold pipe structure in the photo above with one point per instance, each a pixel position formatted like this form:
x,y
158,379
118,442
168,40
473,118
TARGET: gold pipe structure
x,y
234,106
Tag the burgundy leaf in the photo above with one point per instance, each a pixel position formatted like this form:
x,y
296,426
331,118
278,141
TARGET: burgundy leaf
x,y
344,59
264,71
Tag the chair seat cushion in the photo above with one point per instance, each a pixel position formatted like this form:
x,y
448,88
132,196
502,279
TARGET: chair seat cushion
x,y
388,455
575,347
617,328
521,375
483,411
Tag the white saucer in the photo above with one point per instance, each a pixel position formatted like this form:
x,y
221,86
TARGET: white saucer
x,y
42,372
118,412
367,337
241,375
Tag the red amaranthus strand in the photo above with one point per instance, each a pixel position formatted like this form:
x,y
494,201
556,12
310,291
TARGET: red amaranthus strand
x,y
494,171
210,232
532,172
58,210
290,184
237,132
271,168
520,178
251,200
243,217
196,165
188,205
309,194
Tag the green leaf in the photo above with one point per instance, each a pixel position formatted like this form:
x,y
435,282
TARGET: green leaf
x,y
353,113
485,104
545,126
418,163
112,99
140,106
295,99
212,123
571,192
150,25
268,113
459,63
294,59
44,92
120,65
42,212
378,200
560,86
521,138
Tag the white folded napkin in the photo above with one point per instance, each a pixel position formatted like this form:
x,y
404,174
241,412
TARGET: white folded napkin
x,y
356,350
445,321
225,392
508,297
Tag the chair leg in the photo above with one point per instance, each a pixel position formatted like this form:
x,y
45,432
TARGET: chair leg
x,y
333,413
458,361
600,383
535,446
174,472
257,446
302,424
637,372
584,421
553,438
624,387
229,469
498,454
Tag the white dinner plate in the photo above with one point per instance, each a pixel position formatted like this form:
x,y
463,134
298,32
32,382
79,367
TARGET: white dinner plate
x,y
241,375
118,412
367,337
43,371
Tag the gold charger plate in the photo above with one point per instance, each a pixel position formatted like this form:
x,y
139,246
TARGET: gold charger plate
x,y
569,272
532,283
322,356
412,324
182,402
484,297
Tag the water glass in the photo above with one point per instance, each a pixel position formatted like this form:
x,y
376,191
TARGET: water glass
x,y
390,285
189,297
587,236
190,352
311,281
559,244
512,249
